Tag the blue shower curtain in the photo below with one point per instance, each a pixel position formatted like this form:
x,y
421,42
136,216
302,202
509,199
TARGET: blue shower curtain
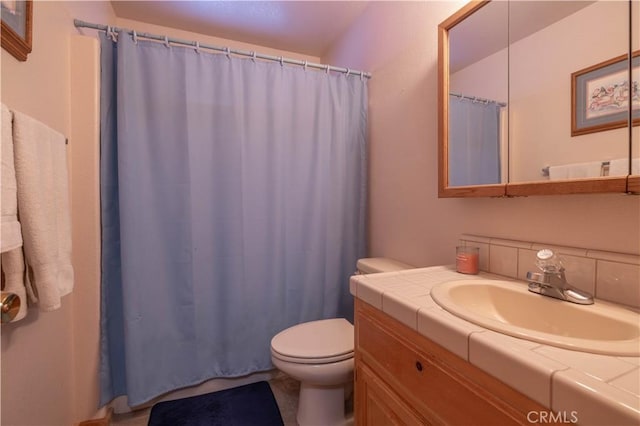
x,y
233,206
474,142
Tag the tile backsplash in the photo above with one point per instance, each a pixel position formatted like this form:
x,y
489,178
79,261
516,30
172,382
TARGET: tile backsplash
x,y
610,276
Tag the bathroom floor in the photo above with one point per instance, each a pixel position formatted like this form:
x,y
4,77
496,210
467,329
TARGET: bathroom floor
x,y
284,389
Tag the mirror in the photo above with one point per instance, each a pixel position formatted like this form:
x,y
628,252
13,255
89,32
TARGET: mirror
x,y
534,98
633,184
477,104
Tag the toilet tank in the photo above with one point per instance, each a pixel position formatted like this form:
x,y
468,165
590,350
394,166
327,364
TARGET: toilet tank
x,y
373,265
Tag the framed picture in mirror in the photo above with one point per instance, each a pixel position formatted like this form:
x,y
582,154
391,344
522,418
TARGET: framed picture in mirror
x,y
17,16
601,95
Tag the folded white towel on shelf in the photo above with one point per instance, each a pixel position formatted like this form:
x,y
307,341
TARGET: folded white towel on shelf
x,y
10,232
620,167
576,171
43,203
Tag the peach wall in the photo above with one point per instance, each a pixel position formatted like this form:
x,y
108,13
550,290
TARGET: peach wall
x,y
215,41
84,140
473,80
397,42
49,358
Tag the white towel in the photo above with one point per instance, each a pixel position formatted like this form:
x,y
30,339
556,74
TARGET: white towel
x,y
43,204
576,171
620,167
10,232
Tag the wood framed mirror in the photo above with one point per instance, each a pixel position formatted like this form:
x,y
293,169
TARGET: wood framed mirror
x,y
518,77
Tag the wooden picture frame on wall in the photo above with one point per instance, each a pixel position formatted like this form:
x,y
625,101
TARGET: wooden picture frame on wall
x,y
17,21
600,95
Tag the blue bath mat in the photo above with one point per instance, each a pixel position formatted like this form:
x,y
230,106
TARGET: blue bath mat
x,y
248,405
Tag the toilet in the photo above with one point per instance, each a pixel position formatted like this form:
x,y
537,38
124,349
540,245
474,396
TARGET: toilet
x,y
319,354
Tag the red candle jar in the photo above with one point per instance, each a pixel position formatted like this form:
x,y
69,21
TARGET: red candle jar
x,y
467,259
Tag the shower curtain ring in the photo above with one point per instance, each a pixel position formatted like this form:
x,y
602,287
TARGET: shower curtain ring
x,y
327,69
111,34
281,61
348,72
197,47
305,65
253,56
361,75
166,41
135,37
227,52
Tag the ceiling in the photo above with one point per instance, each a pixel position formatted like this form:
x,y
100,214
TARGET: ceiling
x,y
305,27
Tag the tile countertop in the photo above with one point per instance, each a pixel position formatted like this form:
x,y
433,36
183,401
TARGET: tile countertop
x,y
594,389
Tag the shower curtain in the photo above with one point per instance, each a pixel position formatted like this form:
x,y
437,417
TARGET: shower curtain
x,y
474,142
233,206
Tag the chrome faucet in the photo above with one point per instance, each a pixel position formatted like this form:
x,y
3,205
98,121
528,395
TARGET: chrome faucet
x,y
552,281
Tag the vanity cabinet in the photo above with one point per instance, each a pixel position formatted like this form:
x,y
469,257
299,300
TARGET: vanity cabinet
x,y
404,378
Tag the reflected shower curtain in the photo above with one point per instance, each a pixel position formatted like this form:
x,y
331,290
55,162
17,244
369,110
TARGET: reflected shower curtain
x,y
474,142
233,206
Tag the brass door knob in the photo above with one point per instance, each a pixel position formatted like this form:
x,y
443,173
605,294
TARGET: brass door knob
x,y
9,306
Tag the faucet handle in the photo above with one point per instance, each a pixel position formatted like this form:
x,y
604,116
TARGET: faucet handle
x,y
548,261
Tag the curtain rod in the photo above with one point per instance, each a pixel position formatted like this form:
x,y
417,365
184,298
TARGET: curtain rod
x,y
82,24
476,99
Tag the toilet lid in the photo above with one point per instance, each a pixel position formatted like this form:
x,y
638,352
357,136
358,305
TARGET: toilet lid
x,y
328,340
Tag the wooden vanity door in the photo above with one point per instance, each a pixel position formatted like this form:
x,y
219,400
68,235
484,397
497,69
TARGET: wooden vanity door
x,y
378,405
404,378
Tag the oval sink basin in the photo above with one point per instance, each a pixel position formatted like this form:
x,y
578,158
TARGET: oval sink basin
x,y
509,308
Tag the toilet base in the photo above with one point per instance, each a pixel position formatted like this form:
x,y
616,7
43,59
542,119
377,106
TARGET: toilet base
x,y
321,405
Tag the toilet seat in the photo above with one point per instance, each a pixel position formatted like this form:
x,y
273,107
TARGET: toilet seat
x,y
315,342
310,361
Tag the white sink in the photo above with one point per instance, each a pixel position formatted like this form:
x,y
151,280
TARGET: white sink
x,y
509,308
